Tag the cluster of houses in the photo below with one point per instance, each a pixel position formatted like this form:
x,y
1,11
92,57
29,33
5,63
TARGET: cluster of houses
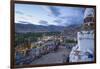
x,y
31,51
27,52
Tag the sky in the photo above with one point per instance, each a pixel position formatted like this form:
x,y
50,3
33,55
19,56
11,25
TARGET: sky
x,y
48,15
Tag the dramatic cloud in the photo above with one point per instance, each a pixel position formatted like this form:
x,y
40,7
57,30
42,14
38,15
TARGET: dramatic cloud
x,y
49,15
58,21
55,11
24,22
42,22
30,16
73,15
19,12
73,20
52,10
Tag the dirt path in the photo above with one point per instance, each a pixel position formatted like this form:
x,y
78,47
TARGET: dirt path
x,y
51,58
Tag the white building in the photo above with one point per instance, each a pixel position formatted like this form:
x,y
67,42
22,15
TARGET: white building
x,y
84,50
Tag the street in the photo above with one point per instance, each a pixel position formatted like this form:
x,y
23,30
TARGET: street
x,y
53,57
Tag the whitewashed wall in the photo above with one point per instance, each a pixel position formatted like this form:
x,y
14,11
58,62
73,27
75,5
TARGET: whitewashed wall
x,y
86,41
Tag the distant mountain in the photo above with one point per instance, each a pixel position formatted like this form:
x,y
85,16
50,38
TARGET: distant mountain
x,y
24,28
71,30
36,28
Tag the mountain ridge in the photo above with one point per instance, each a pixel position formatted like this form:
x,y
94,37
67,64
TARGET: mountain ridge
x,y
24,28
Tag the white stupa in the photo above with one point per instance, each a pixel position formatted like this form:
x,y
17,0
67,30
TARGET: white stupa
x,y
89,12
84,50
